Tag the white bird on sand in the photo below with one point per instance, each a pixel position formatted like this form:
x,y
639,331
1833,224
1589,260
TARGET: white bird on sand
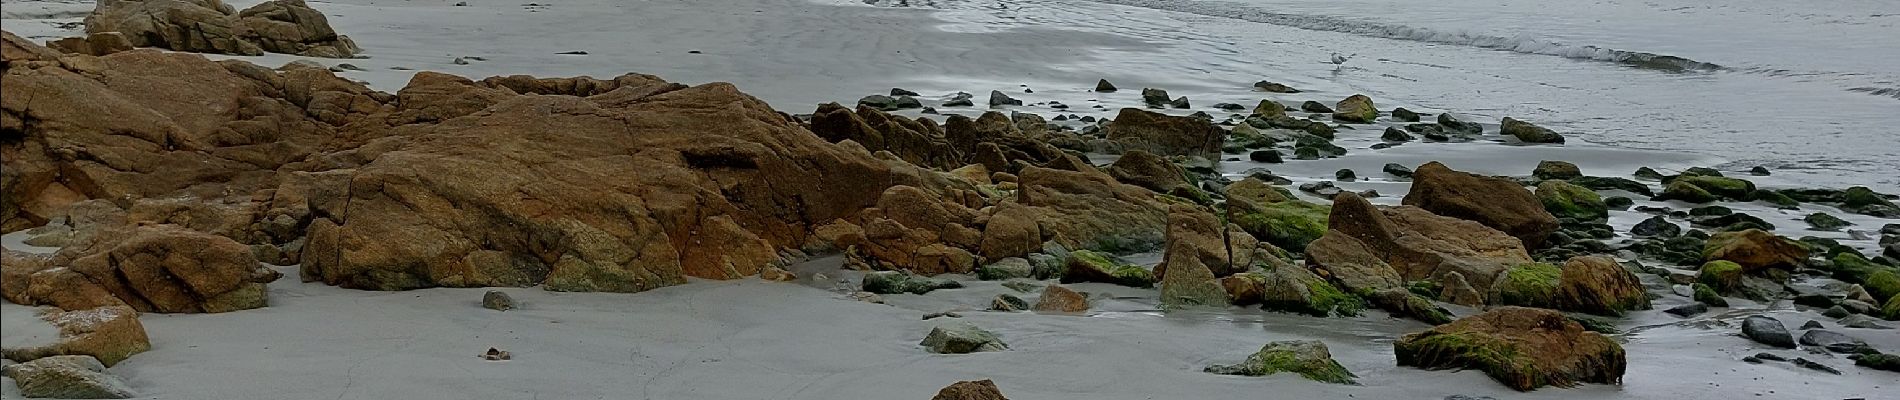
x,y
1339,59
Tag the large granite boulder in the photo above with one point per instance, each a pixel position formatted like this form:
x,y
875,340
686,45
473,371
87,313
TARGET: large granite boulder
x,y
210,26
1589,284
1755,250
1523,348
1198,245
1499,203
67,377
159,268
108,334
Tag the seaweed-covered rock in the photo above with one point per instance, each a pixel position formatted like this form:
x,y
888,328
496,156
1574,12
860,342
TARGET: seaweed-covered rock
x,y
1565,200
1891,311
1007,268
1595,285
1755,250
1861,200
1524,348
1008,302
961,338
1356,108
498,301
1269,109
1529,133
1495,202
1612,183
1315,107
1309,358
67,377
1825,222
1091,266
1393,134
1884,362
1274,215
1850,267
893,282
1291,289
1725,188
1686,192
1720,275
1705,294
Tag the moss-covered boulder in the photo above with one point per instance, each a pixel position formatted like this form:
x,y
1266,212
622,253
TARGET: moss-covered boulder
x,y
1861,200
1309,358
1686,192
1825,222
1356,108
1269,109
1523,348
1850,267
961,338
1589,284
1091,266
1727,188
1755,250
1707,295
1273,215
1291,289
1566,200
1722,276
1892,309
1548,169
1883,284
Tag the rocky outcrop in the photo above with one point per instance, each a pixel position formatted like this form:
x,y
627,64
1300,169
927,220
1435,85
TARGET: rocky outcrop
x,y
1166,135
1495,202
1417,244
1309,358
1293,289
162,268
1144,169
93,44
210,26
1523,348
917,141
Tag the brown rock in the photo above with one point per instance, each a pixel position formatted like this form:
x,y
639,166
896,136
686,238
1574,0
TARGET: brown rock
x,y
1144,169
1011,232
1197,244
1598,285
110,334
166,268
916,141
210,26
1524,348
1166,135
1495,202
1060,299
971,390
1089,210
1415,243
1755,250
94,44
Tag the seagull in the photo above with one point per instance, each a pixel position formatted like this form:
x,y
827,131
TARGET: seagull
x,y
1339,59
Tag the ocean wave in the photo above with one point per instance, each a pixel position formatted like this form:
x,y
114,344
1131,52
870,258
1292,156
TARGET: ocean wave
x,y
1520,44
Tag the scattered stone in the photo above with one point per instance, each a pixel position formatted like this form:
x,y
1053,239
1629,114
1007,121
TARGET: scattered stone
x,y
1309,358
1155,98
497,300
67,377
1007,268
1393,134
1884,362
1524,348
1755,250
1060,299
972,390
1860,321
1707,295
1315,107
1182,103
1825,222
773,273
867,297
494,354
901,92
1008,302
998,99
1805,363
1758,171
961,338
1269,156
1403,115
1102,86
1825,338
1229,106
1272,87
1397,170
942,314
1688,310
1768,331
1454,125
1656,226
1269,109
1565,200
1356,108
1556,170
1529,133
893,282
960,99
1022,286
1345,175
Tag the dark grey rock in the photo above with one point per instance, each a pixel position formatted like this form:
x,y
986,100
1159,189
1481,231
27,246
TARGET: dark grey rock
x,y
1768,331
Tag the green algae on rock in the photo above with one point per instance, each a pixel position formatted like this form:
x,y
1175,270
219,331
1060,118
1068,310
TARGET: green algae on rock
x,y
1523,348
1092,266
1309,358
1566,200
